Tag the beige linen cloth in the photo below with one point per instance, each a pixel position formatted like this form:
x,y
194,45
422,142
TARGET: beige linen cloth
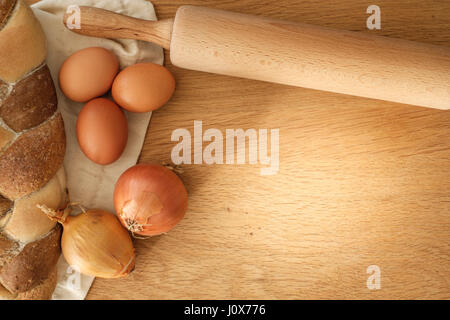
x,y
89,183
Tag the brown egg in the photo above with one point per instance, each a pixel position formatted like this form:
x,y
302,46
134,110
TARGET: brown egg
x,y
88,73
143,87
102,131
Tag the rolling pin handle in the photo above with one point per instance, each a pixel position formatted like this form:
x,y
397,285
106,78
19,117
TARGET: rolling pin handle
x,y
102,23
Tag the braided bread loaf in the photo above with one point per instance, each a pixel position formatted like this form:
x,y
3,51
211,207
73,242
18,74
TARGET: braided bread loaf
x,y
32,148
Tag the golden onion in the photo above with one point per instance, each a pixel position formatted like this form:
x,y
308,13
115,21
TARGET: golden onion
x,y
95,243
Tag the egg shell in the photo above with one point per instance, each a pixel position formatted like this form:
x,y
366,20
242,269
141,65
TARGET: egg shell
x,y
88,73
102,131
143,87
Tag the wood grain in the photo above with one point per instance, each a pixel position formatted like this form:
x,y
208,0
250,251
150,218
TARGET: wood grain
x,y
361,182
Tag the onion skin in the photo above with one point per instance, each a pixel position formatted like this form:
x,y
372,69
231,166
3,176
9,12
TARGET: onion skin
x,y
96,244
150,199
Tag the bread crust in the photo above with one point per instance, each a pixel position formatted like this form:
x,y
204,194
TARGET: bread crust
x,y
6,137
27,48
32,149
33,264
6,7
4,218
31,101
42,291
4,89
27,222
33,159
5,206
8,248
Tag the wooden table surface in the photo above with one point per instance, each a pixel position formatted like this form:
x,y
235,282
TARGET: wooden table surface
x,y
361,182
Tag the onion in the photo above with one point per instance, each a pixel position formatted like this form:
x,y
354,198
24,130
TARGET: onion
x,y
95,243
150,199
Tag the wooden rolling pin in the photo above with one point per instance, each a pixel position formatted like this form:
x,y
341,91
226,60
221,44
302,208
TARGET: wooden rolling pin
x,y
289,53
